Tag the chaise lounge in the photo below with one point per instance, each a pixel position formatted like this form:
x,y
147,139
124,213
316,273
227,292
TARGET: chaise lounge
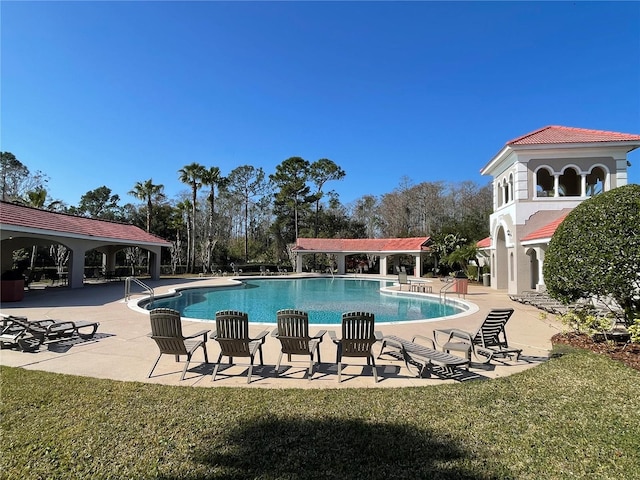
x,y
489,341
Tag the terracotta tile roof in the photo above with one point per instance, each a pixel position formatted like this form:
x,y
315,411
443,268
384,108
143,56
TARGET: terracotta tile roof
x,y
554,134
545,232
12,215
362,245
484,243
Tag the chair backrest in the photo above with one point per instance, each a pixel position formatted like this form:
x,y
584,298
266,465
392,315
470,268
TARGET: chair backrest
x,y
166,330
357,333
293,331
402,278
232,332
489,332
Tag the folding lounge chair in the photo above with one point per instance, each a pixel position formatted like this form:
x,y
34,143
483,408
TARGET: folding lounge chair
x,y
232,333
420,357
293,333
37,332
166,331
489,341
357,340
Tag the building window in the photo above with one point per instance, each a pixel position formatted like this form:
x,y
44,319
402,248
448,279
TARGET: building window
x,y
544,183
510,195
569,183
595,181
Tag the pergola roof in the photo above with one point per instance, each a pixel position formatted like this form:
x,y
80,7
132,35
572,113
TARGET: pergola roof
x,y
362,245
33,221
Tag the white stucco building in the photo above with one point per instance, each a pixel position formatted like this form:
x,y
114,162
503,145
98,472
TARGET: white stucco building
x,y
537,180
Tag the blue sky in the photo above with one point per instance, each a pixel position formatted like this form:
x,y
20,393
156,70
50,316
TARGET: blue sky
x,y
112,93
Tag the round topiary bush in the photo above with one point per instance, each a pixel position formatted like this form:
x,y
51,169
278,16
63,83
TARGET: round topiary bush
x,y
595,252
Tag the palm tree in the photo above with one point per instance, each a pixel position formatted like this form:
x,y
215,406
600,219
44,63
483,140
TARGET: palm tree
x,y
183,212
148,192
192,175
211,178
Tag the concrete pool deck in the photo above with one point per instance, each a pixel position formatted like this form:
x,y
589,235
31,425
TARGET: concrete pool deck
x,y
121,349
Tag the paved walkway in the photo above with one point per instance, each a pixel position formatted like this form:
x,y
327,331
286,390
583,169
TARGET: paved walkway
x,y
121,349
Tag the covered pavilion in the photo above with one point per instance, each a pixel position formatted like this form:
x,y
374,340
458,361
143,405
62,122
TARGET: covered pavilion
x,y
385,248
24,227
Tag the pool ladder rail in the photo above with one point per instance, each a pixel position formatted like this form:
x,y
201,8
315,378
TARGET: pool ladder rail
x,y
127,288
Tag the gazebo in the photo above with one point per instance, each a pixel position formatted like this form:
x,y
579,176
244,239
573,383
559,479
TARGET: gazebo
x,y
24,227
382,247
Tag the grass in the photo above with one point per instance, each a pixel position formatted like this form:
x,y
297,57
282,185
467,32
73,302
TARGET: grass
x,y
576,416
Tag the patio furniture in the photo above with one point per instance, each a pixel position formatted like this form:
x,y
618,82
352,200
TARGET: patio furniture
x,y
490,340
403,280
293,333
357,339
166,331
421,356
29,335
232,333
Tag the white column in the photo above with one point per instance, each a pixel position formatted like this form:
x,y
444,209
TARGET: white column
x,y
540,254
340,260
383,264
556,185
76,267
583,184
298,263
417,270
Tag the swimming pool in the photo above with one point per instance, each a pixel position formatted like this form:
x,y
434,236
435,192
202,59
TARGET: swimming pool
x,y
325,299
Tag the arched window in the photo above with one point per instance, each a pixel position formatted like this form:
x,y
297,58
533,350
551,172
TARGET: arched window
x,y
544,183
595,181
505,191
510,195
569,183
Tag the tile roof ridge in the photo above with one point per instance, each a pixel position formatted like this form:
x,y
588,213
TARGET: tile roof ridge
x,y
67,214
530,134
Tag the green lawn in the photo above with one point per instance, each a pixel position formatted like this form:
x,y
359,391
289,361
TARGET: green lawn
x,y
576,416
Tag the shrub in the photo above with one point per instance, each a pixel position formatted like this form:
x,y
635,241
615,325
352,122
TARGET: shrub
x,y
583,320
595,252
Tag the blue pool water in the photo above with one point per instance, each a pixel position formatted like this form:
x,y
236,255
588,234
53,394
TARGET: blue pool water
x,y
325,299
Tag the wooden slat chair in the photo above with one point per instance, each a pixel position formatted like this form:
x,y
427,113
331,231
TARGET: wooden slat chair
x,y
166,331
293,333
489,341
232,333
358,338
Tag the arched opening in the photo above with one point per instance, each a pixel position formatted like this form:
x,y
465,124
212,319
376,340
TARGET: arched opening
x,y
501,268
505,191
569,183
595,181
510,187
534,268
544,183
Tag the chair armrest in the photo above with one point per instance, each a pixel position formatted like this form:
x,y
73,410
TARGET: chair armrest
x,y
332,334
274,334
455,333
379,335
432,343
213,335
201,332
261,336
320,334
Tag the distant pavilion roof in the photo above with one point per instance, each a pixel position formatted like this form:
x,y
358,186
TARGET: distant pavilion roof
x,y
362,245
